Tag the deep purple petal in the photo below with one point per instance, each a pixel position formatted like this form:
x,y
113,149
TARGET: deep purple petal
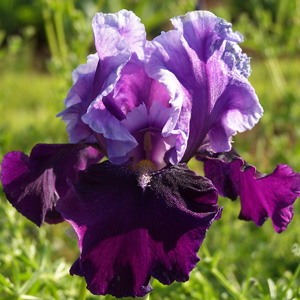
x,y
205,73
133,226
34,184
261,195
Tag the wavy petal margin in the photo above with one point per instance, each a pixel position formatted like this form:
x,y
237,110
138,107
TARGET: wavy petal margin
x,y
34,184
261,195
132,227
205,73
78,100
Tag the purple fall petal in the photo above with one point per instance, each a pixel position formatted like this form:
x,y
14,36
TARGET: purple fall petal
x,y
261,195
34,184
132,226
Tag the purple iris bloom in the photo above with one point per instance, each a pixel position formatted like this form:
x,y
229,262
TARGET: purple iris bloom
x,y
149,107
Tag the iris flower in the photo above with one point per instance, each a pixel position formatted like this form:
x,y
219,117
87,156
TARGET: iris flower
x,y
149,107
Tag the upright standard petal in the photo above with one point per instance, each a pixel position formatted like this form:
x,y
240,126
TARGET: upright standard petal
x,y
34,184
118,38
137,105
132,226
205,72
261,195
78,100
127,25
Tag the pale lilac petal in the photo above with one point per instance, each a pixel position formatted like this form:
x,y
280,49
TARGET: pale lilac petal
x,y
78,100
132,90
261,195
154,118
119,141
236,110
205,32
34,184
117,37
116,54
129,232
205,73
168,54
135,88
127,25
137,103
146,127
236,60
83,77
159,114
78,131
137,119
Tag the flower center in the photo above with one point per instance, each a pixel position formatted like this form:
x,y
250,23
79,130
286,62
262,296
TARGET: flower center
x,y
144,169
147,145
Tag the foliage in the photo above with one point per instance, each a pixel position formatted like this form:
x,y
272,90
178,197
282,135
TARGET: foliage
x,y
67,25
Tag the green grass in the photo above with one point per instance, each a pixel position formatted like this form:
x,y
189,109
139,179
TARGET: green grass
x,y
238,259
29,103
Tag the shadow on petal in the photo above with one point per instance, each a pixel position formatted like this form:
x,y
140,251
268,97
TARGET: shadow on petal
x,y
34,184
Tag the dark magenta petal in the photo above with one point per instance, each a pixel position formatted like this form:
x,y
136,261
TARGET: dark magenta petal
x,y
53,216
34,184
132,227
261,195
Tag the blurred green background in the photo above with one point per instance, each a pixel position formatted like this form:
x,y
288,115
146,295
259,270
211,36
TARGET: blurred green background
x,y
41,42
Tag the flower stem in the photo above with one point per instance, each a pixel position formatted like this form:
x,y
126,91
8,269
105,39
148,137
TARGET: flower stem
x,y
50,32
230,288
82,290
